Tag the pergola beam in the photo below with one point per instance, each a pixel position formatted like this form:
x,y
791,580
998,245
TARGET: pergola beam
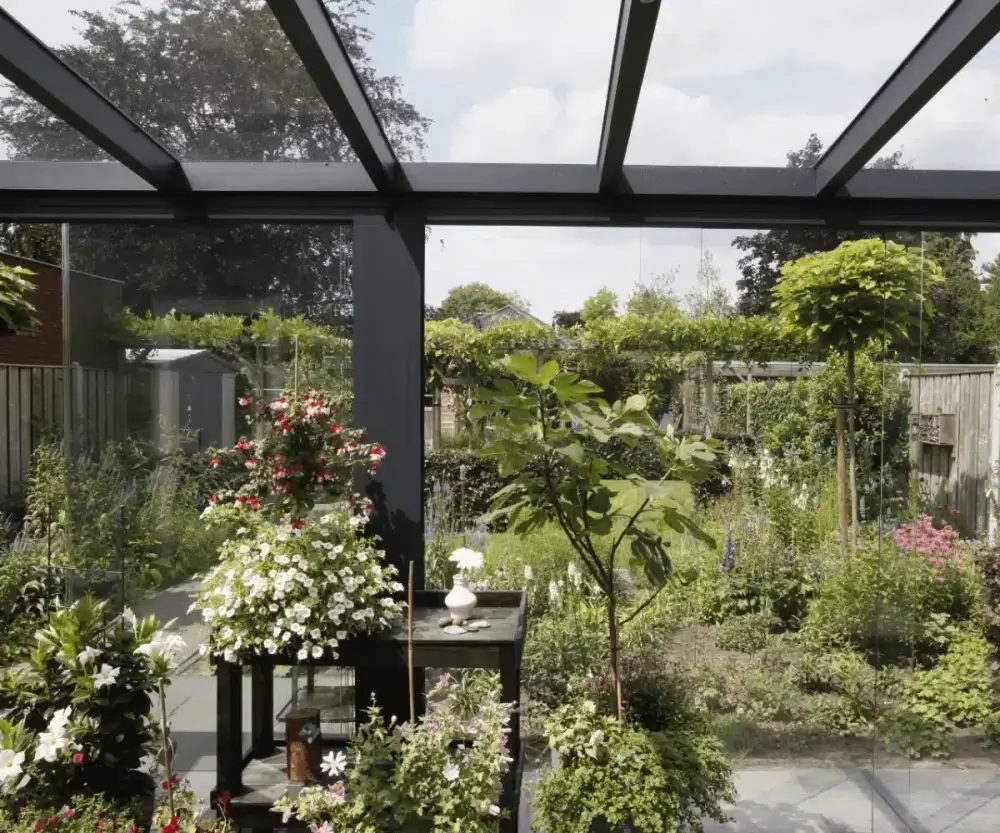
x,y
308,27
957,37
482,194
636,25
36,69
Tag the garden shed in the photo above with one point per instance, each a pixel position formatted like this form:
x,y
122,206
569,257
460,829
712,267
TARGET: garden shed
x,y
190,393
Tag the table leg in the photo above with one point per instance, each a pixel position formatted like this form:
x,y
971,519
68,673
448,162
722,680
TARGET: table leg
x,y
262,710
229,728
510,692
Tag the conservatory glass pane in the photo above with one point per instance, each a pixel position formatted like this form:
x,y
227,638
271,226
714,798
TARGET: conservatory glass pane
x,y
216,83
709,98
516,81
956,130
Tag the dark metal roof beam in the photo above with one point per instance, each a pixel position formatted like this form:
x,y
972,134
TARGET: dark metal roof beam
x,y
309,28
636,24
497,194
957,37
33,67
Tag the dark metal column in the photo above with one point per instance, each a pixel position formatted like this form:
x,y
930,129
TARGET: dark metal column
x,y
388,350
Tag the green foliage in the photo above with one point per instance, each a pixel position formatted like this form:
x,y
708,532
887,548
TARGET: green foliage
x,y
861,290
17,313
614,773
29,589
988,565
469,300
747,633
108,720
461,484
127,513
563,649
82,814
958,690
598,503
600,306
435,775
905,733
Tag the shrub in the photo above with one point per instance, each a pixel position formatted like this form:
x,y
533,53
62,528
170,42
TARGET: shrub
x,y
79,707
988,563
80,814
656,696
464,484
612,771
958,690
747,633
565,649
913,735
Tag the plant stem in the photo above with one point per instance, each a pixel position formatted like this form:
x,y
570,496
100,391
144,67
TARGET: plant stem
x,y
168,763
649,600
852,449
615,660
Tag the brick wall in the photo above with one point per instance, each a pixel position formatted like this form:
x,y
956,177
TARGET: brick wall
x,y
44,345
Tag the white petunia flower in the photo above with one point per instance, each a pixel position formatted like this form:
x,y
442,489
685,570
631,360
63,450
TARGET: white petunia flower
x,y
450,771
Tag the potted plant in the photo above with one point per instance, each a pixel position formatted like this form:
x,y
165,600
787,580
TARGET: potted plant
x,y
296,589
443,772
78,712
551,434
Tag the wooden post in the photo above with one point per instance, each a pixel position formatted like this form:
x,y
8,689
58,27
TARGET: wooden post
x,y
302,745
841,474
709,395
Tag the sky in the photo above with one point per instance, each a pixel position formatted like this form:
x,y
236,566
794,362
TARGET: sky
x,y
730,82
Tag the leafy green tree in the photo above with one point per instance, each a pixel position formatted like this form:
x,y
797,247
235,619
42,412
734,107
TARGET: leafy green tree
x,y
653,298
17,313
552,434
469,300
767,251
567,319
600,306
841,300
214,80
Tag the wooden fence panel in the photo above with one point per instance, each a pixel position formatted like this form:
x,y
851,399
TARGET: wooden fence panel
x,y
956,476
34,403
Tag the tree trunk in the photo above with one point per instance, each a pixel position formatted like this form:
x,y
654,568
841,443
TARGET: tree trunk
x,y
852,448
616,679
842,473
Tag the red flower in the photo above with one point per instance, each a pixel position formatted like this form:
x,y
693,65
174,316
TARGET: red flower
x,y
37,826
336,429
68,812
244,400
78,758
171,826
216,462
52,821
242,445
170,783
296,524
213,500
223,800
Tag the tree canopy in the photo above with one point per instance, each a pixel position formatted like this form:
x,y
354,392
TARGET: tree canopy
x,y
212,80
467,301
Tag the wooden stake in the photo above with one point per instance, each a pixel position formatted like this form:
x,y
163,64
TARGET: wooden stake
x,y
841,476
409,648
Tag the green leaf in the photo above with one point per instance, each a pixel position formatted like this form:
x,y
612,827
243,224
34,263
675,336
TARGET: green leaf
x,y
548,372
524,366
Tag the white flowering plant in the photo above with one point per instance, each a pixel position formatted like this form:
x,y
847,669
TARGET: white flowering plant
x,y
297,589
77,711
443,774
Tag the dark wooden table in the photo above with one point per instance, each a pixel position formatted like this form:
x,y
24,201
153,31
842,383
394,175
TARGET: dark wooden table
x,y
255,777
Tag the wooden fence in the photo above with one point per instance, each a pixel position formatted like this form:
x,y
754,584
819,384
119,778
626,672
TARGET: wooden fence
x,y
955,470
34,410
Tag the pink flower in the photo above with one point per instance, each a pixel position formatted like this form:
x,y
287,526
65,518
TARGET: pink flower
x,y
216,462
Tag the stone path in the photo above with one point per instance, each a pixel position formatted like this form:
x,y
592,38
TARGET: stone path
x,y
919,799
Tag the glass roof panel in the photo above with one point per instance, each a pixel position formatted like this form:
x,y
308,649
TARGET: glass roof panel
x,y
728,84
212,80
509,81
958,129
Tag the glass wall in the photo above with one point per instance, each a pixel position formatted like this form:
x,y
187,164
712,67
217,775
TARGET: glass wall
x,y
824,616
